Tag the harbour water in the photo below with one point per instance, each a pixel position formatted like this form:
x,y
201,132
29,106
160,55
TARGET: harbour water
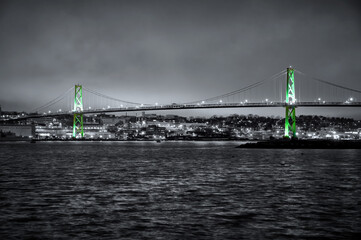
x,y
177,190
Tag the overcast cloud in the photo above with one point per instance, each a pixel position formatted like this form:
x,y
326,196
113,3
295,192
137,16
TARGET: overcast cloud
x,y
170,51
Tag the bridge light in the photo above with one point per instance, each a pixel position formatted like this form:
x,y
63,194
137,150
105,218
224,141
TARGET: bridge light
x,y
202,102
108,106
90,107
156,104
121,105
59,110
266,99
220,101
351,99
49,111
246,100
319,99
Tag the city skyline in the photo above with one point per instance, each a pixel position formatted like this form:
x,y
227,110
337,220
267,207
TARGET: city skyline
x,y
172,51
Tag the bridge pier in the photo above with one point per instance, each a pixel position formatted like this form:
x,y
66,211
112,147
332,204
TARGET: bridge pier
x,y
290,119
78,128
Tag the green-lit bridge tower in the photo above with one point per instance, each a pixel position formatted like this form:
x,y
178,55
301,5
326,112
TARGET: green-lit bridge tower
x,y
78,115
290,120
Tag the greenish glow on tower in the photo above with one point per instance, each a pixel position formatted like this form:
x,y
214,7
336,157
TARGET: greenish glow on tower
x,y
290,120
78,128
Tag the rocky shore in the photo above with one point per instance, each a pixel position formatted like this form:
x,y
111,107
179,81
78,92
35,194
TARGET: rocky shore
x,y
304,144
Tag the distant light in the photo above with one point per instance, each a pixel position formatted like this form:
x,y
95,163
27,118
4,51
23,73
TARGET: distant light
x,y
319,99
49,111
266,99
202,102
220,101
108,106
156,104
246,100
121,105
351,99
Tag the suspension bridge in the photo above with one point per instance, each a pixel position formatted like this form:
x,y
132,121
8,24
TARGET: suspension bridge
x,y
269,92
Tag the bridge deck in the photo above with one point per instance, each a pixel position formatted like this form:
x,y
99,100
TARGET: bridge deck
x,y
194,106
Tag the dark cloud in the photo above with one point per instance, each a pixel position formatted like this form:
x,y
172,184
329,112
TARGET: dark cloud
x,y
170,51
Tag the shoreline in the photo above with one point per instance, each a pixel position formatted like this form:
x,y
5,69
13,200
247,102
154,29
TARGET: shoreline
x,y
118,140
244,143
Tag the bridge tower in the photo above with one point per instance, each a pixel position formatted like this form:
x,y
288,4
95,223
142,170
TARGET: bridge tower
x,y
78,109
290,120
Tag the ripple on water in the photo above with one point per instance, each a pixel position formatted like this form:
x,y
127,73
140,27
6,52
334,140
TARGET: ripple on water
x,y
179,190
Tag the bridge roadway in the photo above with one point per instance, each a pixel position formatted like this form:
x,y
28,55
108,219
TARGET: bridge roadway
x,y
191,106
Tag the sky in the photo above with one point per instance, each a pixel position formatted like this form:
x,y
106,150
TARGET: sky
x,y
173,51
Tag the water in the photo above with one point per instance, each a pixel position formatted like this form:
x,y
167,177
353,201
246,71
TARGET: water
x,y
177,190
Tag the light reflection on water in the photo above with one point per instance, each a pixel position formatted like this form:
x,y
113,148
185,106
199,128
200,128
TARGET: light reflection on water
x,y
177,190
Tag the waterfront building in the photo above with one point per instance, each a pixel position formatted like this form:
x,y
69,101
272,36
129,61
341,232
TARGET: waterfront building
x,y
18,130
